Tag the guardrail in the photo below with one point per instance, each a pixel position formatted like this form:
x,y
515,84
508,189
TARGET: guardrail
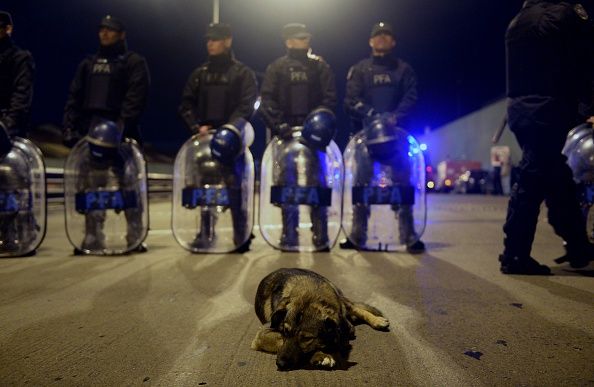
x,y
158,183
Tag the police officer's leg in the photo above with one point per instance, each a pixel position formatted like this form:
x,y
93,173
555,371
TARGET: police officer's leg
x,y
134,226
290,213
318,214
565,214
94,237
239,214
8,233
522,212
361,177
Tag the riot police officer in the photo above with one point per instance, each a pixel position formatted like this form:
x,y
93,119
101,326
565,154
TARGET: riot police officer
x,y
110,85
385,86
294,85
221,91
16,92
16,81
549,66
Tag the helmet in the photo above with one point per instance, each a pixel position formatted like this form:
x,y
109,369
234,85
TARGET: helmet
x,y
104,140
382,139
227,142
319,128
5,142
581,159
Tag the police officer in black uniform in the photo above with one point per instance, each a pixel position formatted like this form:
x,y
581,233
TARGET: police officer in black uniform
x,y
293,86
112,85
385,86
550,45
223,90
16,81
16,92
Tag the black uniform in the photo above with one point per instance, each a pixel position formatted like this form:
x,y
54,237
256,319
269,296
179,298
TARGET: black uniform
x,y
218,92
16,87
19,228
549,66
382,85
293,86
112,84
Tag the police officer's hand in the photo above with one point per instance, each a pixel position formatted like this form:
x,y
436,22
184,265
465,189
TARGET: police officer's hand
x,y
390,118
590,120
203,129
283,130
70,138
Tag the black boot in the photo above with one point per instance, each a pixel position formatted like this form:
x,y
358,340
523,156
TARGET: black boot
x,y
526,266
577,257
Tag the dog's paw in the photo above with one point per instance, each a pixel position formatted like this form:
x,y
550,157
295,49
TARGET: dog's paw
x,y
321,359
380,322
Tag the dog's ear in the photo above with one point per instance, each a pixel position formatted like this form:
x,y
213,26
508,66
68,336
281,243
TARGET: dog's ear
x,y
277,318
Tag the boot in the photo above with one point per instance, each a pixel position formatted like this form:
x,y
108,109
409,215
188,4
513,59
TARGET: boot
x,y
526,266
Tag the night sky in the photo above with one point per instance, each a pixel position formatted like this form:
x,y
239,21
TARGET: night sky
x,y
455,46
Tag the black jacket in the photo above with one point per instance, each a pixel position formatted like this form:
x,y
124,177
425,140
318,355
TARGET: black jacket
x,y
222,82
128,92
16,87
276,88
380,84
550,51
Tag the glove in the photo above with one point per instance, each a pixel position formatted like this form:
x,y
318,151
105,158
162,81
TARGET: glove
x,y
389,118
283,130
70,137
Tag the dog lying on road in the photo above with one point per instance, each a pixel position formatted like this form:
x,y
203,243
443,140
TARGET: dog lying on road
x,y
311,321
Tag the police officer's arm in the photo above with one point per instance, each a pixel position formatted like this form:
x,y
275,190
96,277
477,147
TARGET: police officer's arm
x,y
20,99
248,96
409,94
353,99
73,107
270,109
136,93
328,83
189,101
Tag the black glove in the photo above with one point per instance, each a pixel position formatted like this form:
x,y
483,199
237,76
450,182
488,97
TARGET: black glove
x,y
283,130
70,137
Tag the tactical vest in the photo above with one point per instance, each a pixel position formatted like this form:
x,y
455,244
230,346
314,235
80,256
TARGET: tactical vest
x,y
215,93
381,85
106,84
299,80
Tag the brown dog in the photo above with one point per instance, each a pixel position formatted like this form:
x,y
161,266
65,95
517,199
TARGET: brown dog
x,y
311,322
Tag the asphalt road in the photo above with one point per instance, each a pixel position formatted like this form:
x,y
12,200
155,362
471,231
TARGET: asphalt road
x,y
172,318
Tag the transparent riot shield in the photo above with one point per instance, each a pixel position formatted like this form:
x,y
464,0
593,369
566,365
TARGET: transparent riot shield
x,y
300,194
213,202
579,150
106,201
384,200
23,204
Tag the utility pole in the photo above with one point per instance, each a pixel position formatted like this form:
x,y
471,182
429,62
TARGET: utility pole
x,y
216,6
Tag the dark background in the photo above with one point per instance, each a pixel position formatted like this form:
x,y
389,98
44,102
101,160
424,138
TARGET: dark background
x,y
455,46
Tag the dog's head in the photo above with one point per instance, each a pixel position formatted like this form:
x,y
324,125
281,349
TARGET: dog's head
x,y
308,327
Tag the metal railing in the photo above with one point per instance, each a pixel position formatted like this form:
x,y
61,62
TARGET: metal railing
x,y
158,184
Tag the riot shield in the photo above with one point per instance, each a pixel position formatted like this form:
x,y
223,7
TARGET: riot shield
x,y
106,200
384,199
579,150
300,194
23,202
213,201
